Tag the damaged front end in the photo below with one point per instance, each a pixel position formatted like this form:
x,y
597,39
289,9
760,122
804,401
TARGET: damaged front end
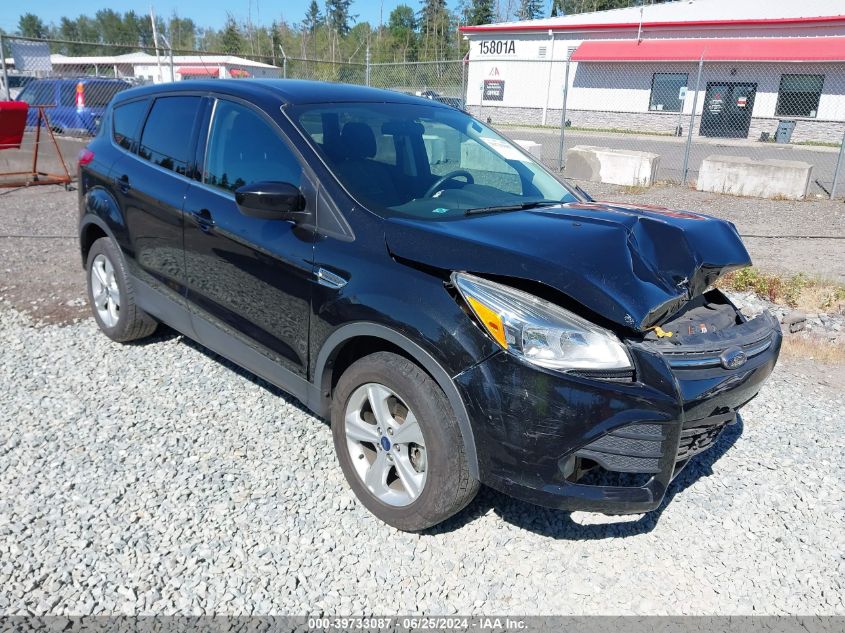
x,y
613,444
607,430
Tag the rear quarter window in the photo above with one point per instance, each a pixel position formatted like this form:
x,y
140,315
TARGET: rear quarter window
x,y
39,93
99,93
166,139
126,122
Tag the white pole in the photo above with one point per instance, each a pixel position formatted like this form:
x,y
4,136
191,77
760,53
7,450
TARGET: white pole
x,y
549,79
640,29
155,42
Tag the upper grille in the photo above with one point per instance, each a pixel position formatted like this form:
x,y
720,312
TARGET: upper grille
x,y
681,359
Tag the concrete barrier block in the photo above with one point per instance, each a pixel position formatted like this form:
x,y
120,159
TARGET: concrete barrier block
x,y
743,176
435,147
532,147
613,166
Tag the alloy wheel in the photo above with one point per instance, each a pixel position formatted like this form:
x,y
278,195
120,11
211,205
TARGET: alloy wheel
x,y
386,444
105,291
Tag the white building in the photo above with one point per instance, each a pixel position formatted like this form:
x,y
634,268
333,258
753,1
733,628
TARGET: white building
x,y
145,67
637,68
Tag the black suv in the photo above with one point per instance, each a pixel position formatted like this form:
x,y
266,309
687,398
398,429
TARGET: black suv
x,y
460,314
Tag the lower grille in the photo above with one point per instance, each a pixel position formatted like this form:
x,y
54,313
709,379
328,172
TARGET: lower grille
x,y
639,447
634,448
699,435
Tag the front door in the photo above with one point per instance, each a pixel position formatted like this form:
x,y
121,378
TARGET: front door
x,y
727,109
248,279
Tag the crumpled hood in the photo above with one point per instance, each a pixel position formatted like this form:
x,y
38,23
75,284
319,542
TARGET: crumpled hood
x,y
634,265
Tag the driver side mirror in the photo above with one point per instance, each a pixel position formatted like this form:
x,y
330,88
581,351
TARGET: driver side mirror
x,y
270,200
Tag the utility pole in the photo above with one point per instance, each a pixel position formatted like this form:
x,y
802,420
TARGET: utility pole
x,y
170,48
155,43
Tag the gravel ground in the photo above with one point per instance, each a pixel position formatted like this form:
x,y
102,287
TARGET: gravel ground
x,y
156,478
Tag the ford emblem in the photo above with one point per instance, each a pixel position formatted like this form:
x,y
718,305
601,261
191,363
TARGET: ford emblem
x,y
733,358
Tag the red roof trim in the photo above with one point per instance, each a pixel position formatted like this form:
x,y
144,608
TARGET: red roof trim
x,y
801,49
627,25
199,70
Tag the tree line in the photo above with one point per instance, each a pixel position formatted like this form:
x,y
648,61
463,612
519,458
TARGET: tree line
x,y
330,31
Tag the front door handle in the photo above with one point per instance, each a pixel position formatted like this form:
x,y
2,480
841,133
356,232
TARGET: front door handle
x,y
203,219
122,183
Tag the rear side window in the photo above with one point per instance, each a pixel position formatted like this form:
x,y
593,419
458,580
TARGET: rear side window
x,y
244,148
166,139
67,94
99,93
126,122
39,93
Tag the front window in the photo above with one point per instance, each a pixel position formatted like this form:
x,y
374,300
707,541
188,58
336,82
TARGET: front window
x,y
244,148
423,161
667,92
799,95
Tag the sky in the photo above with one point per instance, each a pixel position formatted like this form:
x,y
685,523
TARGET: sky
x,y
203,12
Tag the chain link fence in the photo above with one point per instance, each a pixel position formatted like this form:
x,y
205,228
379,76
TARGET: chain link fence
x,y
681,111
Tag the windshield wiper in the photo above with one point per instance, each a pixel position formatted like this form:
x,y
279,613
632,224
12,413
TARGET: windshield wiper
x,y
511,207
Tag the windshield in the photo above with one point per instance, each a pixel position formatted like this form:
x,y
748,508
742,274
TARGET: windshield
x,y
423,161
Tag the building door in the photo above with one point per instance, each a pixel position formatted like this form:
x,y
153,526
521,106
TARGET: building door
x,y
727,109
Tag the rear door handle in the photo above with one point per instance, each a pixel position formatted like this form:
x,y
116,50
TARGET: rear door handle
x,y
122,183
203,219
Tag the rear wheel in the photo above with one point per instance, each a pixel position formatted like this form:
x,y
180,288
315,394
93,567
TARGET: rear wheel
x,y
111,297
398,443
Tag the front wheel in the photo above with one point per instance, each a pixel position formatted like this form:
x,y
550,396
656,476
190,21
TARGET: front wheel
x,y
398,443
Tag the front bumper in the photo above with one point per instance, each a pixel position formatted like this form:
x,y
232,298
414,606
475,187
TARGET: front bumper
x,y
535,428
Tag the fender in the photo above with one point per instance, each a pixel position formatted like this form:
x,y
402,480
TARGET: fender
x,y
441,377
101,209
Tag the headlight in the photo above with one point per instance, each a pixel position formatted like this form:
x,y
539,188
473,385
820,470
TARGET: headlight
x,y
538,331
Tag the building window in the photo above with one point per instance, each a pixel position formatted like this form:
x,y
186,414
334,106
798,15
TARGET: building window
x,y
666,92
799,95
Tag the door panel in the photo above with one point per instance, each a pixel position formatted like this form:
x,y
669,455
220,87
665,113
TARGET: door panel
x,y
248,278
727,109
151,187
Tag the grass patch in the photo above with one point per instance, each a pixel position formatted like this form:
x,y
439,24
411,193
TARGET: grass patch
x,y
817,143
805,348
633,189
796,291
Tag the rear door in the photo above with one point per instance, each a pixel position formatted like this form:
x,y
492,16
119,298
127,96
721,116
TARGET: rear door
x,y
249,279
151,185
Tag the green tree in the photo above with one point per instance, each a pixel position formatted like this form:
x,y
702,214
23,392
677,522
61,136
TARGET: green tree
x,y
313,21
338,17
30,25
435,29
402,30
182,32
231,39
481,12
530,9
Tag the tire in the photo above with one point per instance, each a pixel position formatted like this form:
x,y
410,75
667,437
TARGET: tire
x,y
440,462
119,317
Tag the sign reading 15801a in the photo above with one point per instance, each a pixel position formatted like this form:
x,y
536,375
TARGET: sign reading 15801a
x,y
497,47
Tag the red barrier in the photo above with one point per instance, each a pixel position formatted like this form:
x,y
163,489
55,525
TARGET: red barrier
x,y
12,126
12,123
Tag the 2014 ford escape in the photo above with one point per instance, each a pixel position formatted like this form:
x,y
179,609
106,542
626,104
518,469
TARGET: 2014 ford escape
x,y
460,314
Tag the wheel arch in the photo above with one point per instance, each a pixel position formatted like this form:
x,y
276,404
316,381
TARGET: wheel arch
x,y
90,231
100,217
386,339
